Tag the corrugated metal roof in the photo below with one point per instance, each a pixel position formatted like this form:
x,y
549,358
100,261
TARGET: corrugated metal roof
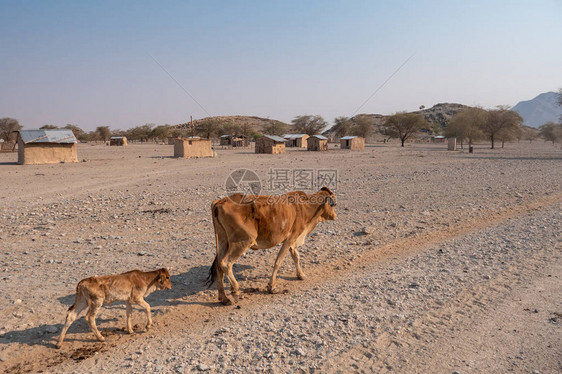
x,y
275,138
293,136
117,137
47,136
348,137
321,137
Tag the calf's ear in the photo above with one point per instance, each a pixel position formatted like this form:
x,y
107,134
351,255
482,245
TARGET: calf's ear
x,y
327,190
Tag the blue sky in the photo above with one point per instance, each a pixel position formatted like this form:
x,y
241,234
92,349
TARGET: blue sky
x,y
89,63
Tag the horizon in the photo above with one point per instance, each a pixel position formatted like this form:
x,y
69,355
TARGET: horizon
x,y
125,64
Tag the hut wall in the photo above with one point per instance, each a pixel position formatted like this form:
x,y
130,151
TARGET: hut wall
x,y
46,153
353,144
315,144
186,148
265,145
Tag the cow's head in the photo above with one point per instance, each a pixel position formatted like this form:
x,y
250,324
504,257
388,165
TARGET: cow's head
x,y
164,281
329,198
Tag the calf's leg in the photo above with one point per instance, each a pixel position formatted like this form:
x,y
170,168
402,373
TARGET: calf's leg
x,y
296,259
74,311
129,314
143,304
280,256
95,305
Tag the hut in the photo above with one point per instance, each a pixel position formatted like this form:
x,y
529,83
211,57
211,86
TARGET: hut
x,y
193,148
46,147
270,144
317,143
438,139
118,140
296,140
235,141
452,144
352,142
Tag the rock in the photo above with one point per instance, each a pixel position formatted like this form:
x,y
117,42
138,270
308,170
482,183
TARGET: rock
x,y
202,367
179,369
17,301
300,352
51,329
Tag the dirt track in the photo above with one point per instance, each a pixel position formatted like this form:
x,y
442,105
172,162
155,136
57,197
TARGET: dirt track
x,y
461,269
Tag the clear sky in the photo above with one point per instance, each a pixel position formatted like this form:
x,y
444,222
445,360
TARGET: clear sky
x,y
89,63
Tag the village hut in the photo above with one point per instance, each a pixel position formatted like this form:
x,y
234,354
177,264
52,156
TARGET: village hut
x,y
118,140
317,143
352,142
193,148
452,144
235,141
46,147
270,144
438,139
296,140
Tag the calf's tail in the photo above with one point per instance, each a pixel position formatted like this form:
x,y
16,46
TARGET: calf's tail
x,y
212,277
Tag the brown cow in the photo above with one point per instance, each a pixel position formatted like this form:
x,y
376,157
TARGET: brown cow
x,y
260,222
132,286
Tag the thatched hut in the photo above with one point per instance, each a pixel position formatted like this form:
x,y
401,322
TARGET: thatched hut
x,y
317,143
296,140
193,148
118,140
352,142
46,147
270,144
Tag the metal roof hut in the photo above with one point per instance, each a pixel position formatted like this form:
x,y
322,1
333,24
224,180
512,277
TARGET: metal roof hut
x,y
296,140
193,148
118,140
352,142
46,147
317,143
270,144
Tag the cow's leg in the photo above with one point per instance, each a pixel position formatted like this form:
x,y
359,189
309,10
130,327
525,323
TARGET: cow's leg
x,y
221,270
95,305
143,304
79,305
296,259
280,256
129,314
237,251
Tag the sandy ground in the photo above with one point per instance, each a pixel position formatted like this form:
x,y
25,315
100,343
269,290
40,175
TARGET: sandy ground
x,y
439,262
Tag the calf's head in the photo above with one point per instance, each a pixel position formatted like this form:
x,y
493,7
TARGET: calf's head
x,y
164,281
329,198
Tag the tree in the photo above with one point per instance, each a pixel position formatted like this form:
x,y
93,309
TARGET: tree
x,y
501,122
342,127
7,128
467,124
140,133
274,128
207,128
161,132
77,131
551,132
307,124
104,133
362,126
404,125
48,127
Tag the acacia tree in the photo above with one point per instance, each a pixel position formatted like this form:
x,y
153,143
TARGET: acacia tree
x,y
342,127
501,122
7,128
467,124
404,125
77,131
48,127
362,126
307,124
104,133
274,128
551,132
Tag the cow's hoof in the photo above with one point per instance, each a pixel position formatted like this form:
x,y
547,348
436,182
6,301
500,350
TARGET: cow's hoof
x,y
101,338
236,298
301,276
58,345
271,290
226,301
130,331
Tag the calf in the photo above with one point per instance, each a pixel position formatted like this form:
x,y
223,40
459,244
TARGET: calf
x,y
132,286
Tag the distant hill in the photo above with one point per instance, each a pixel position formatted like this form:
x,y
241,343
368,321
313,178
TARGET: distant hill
x,y
255,122
438,114
540,110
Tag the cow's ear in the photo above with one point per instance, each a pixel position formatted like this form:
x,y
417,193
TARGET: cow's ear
x,y
327,190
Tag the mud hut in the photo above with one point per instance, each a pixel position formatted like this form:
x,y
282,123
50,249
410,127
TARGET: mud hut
x,y
296,140
193,148
46,147
352,142
317,143
118,140
235,141
270,144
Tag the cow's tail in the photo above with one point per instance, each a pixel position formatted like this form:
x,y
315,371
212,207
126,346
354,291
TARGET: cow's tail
x,y
77,296
212,277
